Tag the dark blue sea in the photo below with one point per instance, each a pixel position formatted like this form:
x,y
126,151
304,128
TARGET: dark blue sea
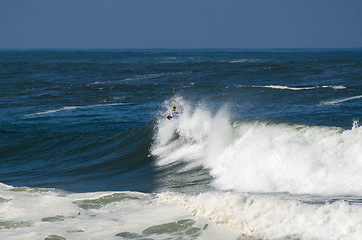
x,y
265,144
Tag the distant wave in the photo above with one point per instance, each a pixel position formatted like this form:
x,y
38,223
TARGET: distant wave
x,y
244,60
280,87
301,88
66,108
335,87
286,87
334,102
146,76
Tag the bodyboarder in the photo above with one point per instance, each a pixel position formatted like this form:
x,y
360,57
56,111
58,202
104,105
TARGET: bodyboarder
x,y
173,112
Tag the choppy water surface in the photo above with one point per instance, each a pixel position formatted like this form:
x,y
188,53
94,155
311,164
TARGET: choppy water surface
x,y
266,145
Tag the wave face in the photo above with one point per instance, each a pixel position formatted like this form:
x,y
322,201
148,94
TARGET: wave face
x,y
261,156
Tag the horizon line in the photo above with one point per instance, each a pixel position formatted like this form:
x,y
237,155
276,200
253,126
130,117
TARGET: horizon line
x,y
181,49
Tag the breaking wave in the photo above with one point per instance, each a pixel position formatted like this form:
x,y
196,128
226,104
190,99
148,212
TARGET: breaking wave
x,y
262,156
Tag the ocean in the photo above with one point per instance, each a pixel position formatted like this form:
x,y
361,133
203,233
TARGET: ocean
x,y
265,144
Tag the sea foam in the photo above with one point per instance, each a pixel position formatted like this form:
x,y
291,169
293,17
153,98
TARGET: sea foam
x,y
273,217
35,213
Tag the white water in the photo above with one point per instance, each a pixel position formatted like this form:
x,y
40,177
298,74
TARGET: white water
x,y
32,214
273,217
27,214
262,156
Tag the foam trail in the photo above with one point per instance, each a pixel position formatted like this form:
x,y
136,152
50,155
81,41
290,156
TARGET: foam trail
x,y
66,108
263,156
146,76
341,100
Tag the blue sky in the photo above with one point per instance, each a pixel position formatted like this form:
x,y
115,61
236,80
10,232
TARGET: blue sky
x,y
180,24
